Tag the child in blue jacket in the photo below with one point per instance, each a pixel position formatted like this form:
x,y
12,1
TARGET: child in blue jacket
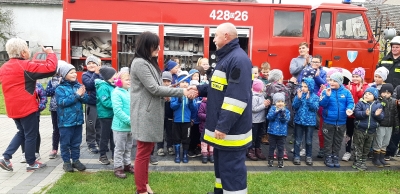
x,y
70,95
306,106
337,103
278,116
182,107
368,113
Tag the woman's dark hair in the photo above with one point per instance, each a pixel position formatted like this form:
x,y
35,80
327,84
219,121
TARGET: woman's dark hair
x,y
146,43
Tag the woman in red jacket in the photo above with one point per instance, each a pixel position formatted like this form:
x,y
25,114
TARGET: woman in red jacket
x,y
357,86
18,80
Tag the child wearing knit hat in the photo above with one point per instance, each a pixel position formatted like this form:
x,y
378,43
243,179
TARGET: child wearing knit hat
x,y
258,118
357,86
368,113
278,116
105,111
93,65
173,68
389,122
380,76
70,95
276,85
337,104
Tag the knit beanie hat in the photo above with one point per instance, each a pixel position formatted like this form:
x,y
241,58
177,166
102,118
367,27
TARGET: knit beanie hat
x,y
93,59
337,77
258,85
167,75
331,71
107,72
275,75
387,87
309,72
278,97
170,65
182,75
373,91
382,72
359,71
64,69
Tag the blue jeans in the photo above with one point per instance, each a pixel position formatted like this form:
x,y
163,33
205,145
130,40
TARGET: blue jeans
x,y
28,128
70,142
299,130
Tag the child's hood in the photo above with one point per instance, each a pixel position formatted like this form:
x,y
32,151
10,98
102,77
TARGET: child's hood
x,y
310,84
99,82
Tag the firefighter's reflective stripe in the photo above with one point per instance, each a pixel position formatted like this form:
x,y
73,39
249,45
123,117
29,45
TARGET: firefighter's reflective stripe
x,y
230,140
244,191
387,62
233,105
219,77
218,183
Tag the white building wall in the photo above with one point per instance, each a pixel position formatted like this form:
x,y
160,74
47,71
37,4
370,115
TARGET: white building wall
x,y
37,24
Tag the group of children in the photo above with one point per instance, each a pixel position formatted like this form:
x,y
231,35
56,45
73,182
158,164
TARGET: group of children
x,y
112,103
366,110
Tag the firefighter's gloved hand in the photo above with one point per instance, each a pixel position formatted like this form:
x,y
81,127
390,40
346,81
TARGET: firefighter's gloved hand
x,y
180,99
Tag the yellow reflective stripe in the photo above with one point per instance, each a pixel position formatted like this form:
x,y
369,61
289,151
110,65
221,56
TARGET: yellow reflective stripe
x,y
387,62
230,140
218,183
234,105
219,77
243,191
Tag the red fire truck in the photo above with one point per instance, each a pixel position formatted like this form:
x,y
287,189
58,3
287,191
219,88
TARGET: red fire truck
x,y
340,33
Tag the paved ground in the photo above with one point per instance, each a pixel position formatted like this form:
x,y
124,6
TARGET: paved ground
x,y
20,181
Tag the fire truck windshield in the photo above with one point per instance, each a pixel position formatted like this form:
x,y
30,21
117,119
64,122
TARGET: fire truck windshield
x,y
350,26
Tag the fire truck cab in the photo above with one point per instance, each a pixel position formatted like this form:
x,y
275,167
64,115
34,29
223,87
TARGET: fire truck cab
x,y
340,33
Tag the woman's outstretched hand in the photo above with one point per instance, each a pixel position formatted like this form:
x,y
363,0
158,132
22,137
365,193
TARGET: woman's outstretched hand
x,y
191,92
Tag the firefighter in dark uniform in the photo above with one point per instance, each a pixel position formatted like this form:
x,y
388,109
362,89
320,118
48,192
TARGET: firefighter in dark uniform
x,y
229,117
392,63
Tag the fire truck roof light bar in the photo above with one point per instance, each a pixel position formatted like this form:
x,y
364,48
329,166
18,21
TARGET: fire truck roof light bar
x,y
346,1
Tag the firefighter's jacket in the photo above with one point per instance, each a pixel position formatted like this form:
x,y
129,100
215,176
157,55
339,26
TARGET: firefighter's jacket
x,y
229,99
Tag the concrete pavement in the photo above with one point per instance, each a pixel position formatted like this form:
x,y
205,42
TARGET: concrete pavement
x,y
20,181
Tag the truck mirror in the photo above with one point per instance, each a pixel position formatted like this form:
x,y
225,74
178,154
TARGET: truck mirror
x,y
389,34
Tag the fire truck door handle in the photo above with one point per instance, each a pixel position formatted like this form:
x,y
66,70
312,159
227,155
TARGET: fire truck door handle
x,y
272,54
336,57
262,50
322,43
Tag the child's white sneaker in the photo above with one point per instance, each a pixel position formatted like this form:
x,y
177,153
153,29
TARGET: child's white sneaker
x,y
303,152
346,156
23,159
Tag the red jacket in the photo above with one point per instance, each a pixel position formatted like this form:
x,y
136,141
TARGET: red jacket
x,y
356,94
18,81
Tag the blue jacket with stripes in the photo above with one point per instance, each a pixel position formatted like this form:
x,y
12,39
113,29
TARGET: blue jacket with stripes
x,y
229,99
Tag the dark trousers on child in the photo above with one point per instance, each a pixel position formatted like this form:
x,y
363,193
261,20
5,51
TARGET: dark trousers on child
x,y
167,134
393,144
56,131
70,142
349,132
299,130
194,137
362,144
93,128
257,131
106,136
276,142
181,134
28,128
333,138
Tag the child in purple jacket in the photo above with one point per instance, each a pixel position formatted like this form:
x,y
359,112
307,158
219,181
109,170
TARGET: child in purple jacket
x,y
206,154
